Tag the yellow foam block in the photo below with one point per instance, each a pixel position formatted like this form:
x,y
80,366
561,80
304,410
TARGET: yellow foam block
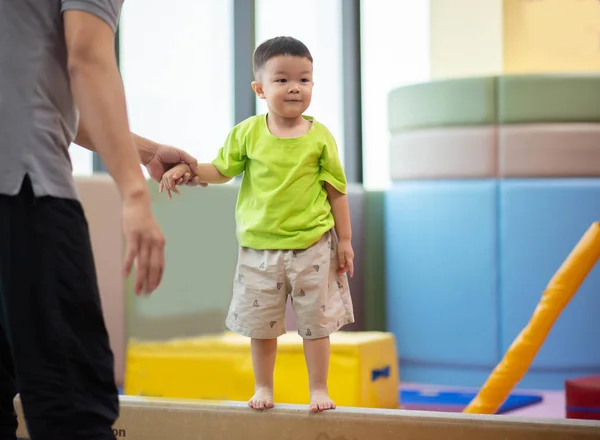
x,y
363,369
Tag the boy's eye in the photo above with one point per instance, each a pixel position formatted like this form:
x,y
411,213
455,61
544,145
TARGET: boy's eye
x,y
305,80
281,80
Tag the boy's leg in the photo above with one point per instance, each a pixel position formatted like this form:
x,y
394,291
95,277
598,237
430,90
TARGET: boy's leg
x,y
322,303
316,353
264,352
257,311
53,320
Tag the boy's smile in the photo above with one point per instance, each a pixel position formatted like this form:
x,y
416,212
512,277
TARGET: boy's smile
x,y
286,83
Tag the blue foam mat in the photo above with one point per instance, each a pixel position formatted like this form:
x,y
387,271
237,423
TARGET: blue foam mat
x,y
441,252
439,399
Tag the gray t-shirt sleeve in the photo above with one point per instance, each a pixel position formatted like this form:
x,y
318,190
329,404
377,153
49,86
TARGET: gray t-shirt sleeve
x,y
107,10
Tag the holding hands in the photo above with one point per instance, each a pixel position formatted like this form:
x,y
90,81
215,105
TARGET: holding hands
x,y
165,158
178,175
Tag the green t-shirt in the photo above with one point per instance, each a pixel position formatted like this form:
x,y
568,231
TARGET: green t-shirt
x,y
282,203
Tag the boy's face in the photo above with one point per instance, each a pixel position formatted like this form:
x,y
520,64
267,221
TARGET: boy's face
x,y
286,83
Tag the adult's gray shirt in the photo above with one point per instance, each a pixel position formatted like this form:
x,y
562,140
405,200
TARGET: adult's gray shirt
x,y
38,118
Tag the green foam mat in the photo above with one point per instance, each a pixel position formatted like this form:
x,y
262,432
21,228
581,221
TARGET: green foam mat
x,y
548,98
453,102
509,99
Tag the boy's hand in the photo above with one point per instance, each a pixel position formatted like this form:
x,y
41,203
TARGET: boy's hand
x,y
345,257
165,158
173,177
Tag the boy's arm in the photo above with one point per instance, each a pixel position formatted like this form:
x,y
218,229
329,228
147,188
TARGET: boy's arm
x,y
340,211
341,216
207,173
332,175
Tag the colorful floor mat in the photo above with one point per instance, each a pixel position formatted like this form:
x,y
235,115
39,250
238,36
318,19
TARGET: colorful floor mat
x,y
451,401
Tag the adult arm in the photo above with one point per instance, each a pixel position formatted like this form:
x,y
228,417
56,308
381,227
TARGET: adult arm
x,y
99,95
157,158
98,91
144,147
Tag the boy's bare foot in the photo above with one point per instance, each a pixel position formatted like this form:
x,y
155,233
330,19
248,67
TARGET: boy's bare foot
x,y
320,401
262,399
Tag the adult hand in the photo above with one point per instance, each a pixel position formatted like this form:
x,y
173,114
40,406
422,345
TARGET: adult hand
x,y
166,157
145,243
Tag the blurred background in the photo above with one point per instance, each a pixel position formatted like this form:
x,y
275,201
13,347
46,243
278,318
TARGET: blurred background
x,y
179,67
470,134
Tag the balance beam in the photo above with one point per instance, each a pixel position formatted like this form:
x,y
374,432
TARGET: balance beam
x,y
160,419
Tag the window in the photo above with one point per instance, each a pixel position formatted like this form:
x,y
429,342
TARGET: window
x,y
395,52
81,159
177,66
317,23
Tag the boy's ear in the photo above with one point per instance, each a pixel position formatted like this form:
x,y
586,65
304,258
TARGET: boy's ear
x,y
258,89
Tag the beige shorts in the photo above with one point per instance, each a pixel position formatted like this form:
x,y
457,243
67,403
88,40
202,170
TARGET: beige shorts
x,y
264,279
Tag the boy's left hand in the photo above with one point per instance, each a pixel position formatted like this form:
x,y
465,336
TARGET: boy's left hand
x,y
345,257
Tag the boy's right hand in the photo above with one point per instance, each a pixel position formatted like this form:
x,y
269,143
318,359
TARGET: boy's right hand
x,y
178,175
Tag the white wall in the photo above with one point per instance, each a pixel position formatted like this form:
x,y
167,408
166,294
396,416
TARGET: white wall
x,y
466,38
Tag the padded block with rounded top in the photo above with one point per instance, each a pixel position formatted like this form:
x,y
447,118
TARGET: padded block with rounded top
x,y
510,99
548,98
549,150
453,102
444,153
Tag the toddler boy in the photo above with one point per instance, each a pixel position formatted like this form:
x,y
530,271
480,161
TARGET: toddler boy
x,y
293,221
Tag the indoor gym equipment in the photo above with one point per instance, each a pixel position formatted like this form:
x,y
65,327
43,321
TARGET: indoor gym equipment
x,y
161,419
457,401
560,290
494,178
583,397
363,369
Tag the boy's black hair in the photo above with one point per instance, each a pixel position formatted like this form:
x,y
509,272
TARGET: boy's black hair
x,y
278,46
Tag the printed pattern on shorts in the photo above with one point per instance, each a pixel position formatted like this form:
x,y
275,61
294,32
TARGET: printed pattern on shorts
x,y
264,278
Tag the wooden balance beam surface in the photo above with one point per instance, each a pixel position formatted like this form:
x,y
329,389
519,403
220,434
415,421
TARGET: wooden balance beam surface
x,y
160,419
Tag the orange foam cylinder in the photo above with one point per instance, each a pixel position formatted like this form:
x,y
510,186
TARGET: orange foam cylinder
x,y
520,355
